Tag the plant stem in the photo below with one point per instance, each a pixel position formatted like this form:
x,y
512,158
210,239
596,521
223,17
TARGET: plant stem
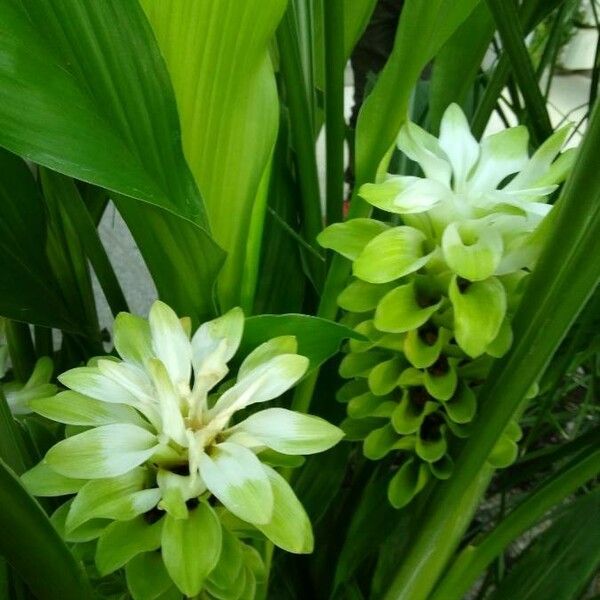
x,y
20,349
474,559
302,134
507,20
333,16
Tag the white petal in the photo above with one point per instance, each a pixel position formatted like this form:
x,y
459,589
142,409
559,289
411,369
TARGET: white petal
x,y
267,381
420,196
121,498
425,149
236,477
210,337
284,344
73,408
458,143
170,342
172,423
290,432
136,382
540,162
105,451
132,338
289,527
502,154
90,381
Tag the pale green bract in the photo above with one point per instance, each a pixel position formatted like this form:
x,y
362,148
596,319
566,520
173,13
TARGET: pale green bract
x,y
434,296
164,455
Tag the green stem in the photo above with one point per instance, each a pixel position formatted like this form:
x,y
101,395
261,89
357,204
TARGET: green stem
x,y
20,349
302,134
43,341
474,559
530,14
333,16
507,20
562,282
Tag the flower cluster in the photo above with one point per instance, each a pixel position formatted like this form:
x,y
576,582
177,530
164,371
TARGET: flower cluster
x,y
157,458
434,296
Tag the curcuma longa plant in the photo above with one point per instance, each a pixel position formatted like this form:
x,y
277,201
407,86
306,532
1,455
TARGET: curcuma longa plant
x,y
156,457
434,297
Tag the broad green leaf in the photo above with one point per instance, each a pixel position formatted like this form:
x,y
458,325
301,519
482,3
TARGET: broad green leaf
x,y
229,122
182,258
96,107
560,563
105,451
76,105
191,547
318,339
33,547
289,527
122,540
28,291
236,477
457,63
290,432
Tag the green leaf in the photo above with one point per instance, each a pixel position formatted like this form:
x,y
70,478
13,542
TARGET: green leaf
x,y
28,291
561,561
33,547
191,547
122,540
457,63
507,20
229,123
289,527
76,106
318,339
